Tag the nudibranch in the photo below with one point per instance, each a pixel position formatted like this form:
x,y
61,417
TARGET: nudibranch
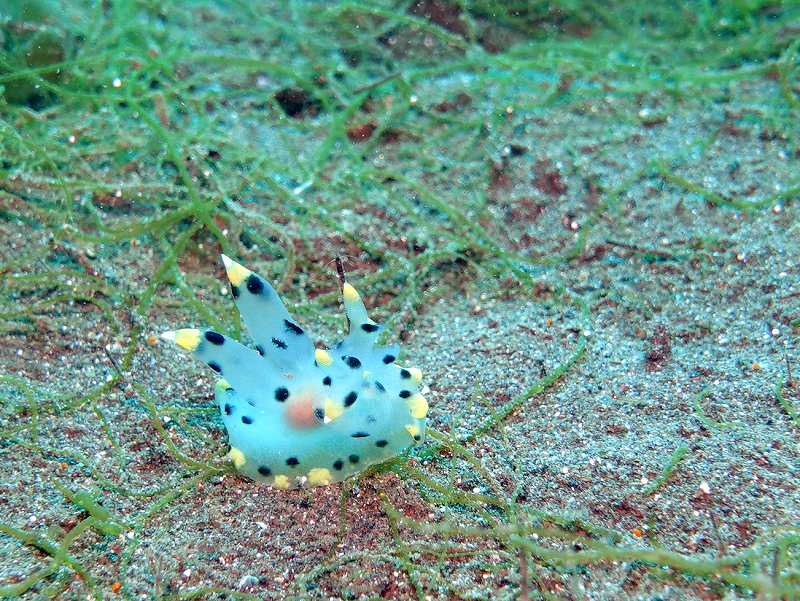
x,y
299,415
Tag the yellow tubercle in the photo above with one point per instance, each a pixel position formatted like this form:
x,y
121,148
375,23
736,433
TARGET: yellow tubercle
x,y
237,457
323,357
418,406
236,273
319,476
223,384
413,430
281,482
416,374
332,409
349,293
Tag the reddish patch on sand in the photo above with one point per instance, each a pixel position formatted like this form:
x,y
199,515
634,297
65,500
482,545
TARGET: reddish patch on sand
x,y
361,133
547,179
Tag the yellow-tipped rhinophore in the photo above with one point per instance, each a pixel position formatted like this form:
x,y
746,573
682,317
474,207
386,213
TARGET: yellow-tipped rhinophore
x,y
236,273
418,406
416,374
323,357
223,384
237,457
319,476
349,293
187,338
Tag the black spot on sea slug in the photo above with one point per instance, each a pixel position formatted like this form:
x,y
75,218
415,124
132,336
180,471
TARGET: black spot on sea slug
x,y
353,458
279,343
417,437
404,394
352,362
260,349
380,386
229,408
338,465
215,366
370,327
215,338
235,291
387,359
405,374
292,461
281,394
247,419
359,434
292,327
319,414
264,470
381,443
350,398
254,284
326,380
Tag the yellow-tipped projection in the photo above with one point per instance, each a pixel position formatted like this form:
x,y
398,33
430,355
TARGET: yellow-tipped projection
x,y
418,406
281,482
236,273
223,384
349,293
187,338
332,409
237,457
323,357
319,476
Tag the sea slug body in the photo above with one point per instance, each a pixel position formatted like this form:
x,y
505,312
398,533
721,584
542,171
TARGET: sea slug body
x,y
299,415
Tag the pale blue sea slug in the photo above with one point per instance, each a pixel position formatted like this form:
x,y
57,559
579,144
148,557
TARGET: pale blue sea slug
x,y
299,415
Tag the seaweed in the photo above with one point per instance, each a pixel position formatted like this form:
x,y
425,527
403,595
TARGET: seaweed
x,y
166,138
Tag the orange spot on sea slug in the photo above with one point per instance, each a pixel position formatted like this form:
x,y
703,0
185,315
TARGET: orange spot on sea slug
x,y
300,410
